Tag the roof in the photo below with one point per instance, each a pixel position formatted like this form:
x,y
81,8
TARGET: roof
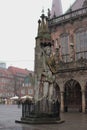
x,y
77,5
18,71
56,8
5,73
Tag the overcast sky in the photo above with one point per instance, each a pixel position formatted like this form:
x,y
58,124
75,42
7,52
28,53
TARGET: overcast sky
x,y
18,29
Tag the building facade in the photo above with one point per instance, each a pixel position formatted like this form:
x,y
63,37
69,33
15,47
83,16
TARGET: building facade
x,y
28,85
6,83
62,73
13,82
20,75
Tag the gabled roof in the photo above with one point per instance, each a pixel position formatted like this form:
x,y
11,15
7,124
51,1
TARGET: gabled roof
x,y
76,5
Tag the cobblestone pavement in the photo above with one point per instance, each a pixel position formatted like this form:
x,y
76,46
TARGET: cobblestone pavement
x,y
10,113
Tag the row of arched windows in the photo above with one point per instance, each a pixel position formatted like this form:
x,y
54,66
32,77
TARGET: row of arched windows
x,y
80,45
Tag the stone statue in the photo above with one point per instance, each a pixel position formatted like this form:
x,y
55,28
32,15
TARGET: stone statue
x,y
49,14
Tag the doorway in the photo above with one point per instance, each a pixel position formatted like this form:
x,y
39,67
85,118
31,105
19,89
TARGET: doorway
x,y
72,96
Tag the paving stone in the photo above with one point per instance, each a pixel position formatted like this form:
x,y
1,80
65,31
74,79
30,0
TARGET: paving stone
x,y
10,113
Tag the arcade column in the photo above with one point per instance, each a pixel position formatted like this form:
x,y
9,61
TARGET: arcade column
x,y
83,101
62,101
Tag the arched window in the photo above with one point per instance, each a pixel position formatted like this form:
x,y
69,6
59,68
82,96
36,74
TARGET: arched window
x,y
81,43
64,47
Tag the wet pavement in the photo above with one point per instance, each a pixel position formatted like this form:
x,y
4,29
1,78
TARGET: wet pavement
x,y
10,113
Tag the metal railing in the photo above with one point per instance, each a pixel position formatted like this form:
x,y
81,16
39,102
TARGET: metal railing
x,y
66,17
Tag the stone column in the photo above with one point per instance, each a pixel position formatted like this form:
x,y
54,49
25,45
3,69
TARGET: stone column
x,y
83,101
62,101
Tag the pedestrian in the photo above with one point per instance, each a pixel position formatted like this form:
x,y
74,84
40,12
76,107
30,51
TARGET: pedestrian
x,y
57,108
19,103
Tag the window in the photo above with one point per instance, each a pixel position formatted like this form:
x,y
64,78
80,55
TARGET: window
x,y
81,44
23,91
64,47
30,91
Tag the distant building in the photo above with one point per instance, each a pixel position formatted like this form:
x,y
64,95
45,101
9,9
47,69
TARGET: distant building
x,y
2,65
12,80
19,78
6,84
28,86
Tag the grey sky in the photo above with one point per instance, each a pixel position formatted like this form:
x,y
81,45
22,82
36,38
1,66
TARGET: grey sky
x,y
18,29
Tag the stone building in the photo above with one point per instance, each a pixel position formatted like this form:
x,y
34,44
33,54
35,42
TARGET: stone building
x,y
62,72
